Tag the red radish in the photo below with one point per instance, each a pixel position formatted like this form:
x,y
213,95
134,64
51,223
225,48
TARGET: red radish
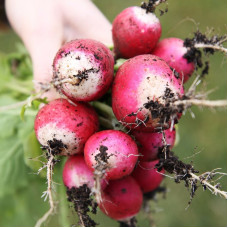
x,y
76,173
122,199
118,149
172,50
64,127
147,176
84,69
142,92
135,32
149,143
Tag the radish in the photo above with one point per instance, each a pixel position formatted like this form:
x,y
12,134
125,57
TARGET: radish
x,y
150,142
172,50
78,179
147,176
143,91
76,173
135,32
115,149
83,69
63,127
122,199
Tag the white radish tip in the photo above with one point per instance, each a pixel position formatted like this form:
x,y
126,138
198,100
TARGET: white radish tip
x,y
50,131
147,18
84,68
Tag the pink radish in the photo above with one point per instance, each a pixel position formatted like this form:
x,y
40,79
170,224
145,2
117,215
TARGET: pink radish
x,y
143,91
172,50
83,69
64,127
118,149
122,199
135,32
76,173
150,142
147,176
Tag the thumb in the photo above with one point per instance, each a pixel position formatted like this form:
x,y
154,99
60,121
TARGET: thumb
x,y
40,28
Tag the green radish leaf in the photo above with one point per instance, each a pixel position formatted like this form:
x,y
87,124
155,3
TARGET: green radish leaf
x,y
119,62
16,74
36,103
7,124
13,170
33,154
24,207
111,48
23,112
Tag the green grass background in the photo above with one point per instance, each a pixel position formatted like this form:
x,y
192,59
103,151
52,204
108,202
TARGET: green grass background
x,y
206,133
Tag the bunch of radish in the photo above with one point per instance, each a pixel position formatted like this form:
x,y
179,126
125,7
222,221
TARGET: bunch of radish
x,y
116,166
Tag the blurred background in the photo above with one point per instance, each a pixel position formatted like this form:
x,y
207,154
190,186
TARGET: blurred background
x,y
207,134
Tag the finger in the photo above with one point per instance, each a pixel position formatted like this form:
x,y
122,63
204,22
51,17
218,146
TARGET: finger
x,y
38,23
87,20
70,33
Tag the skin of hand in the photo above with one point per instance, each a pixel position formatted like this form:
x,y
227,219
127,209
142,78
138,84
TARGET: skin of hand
x,y
44,25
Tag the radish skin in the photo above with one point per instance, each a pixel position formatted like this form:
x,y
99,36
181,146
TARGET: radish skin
x,y
122,199
147,176
121,150
140,81
135,32
64,127
172,50
150,142
76,173
85,67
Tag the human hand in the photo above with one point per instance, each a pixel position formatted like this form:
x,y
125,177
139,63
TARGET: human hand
x,y
44,25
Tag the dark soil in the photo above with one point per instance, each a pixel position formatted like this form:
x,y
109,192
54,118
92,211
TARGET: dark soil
x,y
131,223
171,163
84,74
150,6
164,112
81,75
195,55
168,93
53,149
101,162
152,195
181,171
102,156
176,74
55,146
83,204
162,12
